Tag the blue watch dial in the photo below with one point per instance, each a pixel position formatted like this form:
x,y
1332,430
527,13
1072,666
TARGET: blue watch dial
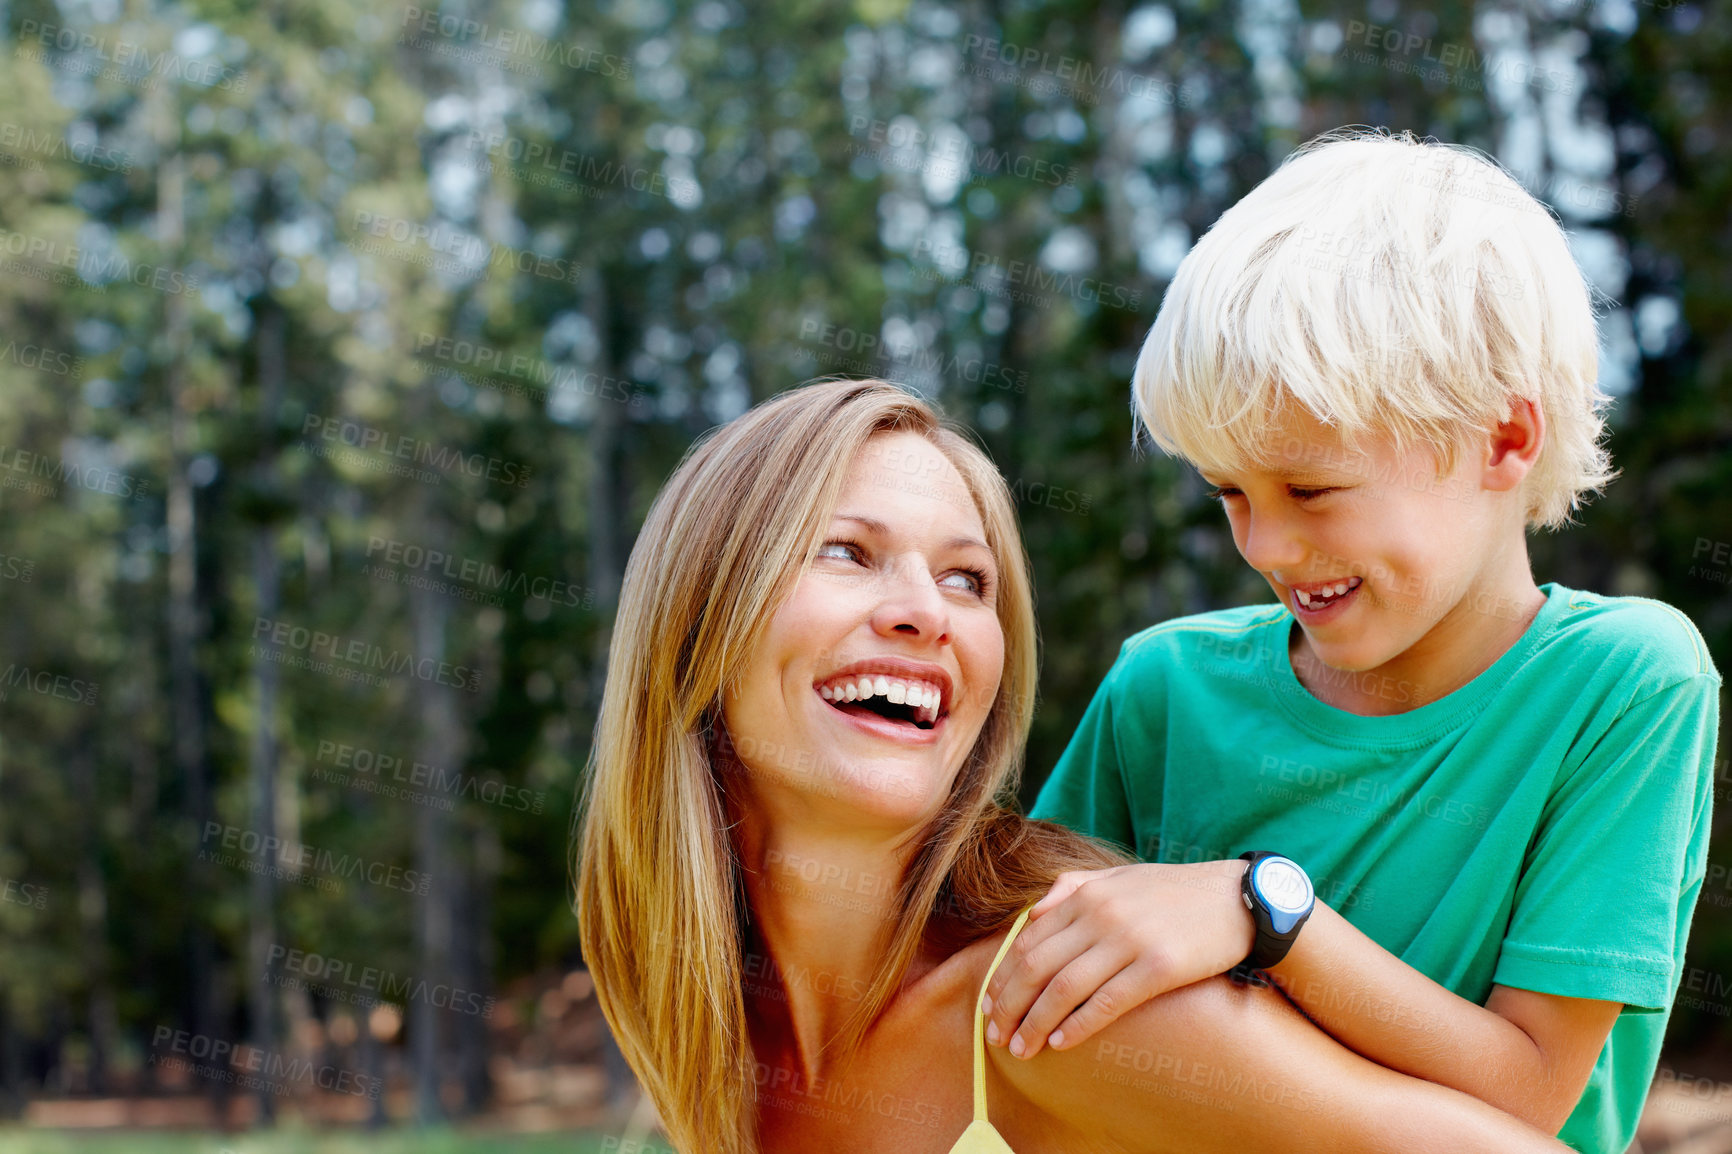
x,y
1284,889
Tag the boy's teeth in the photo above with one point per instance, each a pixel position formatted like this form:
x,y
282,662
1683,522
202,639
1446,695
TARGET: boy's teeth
x,y
1327,593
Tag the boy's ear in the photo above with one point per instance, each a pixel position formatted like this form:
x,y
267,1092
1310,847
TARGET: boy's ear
x,y
1513,445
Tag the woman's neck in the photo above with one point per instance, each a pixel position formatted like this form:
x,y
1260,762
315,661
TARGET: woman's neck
x,y
821,902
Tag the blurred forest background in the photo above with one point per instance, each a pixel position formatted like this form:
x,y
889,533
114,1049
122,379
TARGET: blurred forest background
x,y
344,345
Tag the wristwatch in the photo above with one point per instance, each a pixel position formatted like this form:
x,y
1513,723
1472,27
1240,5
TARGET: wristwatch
x,y
1280,898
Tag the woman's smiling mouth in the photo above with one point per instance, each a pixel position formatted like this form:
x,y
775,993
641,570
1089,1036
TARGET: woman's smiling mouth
x,y
905,695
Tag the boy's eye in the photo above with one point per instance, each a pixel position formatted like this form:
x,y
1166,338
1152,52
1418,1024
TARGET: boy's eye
x,y
1308,494
1221,491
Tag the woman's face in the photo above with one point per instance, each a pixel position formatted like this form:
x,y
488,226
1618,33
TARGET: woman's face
x,y
876,674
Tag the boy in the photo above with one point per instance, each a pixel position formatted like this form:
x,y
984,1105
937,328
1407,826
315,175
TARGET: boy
x,y
1384,360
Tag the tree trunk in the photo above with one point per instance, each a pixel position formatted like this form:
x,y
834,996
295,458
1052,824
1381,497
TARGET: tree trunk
x,y
262,894
93,921
186,615
442,741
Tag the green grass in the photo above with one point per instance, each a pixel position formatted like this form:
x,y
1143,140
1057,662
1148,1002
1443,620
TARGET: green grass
x,y
13,1141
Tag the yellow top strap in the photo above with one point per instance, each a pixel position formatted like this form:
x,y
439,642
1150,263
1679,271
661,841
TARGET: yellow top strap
x,y
980,1020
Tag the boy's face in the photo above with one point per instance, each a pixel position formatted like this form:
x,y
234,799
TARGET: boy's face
x,y
1379,558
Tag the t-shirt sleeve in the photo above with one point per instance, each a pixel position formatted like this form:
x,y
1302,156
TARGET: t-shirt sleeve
x,y
1086,791
1608,886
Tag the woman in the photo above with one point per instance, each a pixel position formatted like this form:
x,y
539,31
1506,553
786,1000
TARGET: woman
x,y
795,874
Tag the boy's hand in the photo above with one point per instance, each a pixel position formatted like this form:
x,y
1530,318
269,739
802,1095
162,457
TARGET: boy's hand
x,y
1108,941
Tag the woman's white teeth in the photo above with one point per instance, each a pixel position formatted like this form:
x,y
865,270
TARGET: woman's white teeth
x,y
923,698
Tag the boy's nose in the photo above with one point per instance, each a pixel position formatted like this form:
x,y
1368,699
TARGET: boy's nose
x,y
1270,542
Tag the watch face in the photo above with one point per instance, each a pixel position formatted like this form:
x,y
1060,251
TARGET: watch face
x,y
1283,885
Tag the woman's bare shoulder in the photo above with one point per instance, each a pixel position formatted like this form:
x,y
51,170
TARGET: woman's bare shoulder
x,y
952,980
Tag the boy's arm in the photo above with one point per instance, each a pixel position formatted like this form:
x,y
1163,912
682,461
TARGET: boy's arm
x,y
1622,830
1526,1053
1216,1068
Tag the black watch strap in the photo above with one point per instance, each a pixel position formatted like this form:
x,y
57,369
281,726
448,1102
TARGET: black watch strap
x,y
1269,947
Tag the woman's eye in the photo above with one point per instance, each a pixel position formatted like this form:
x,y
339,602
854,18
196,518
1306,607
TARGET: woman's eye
x,y
841,550
973,581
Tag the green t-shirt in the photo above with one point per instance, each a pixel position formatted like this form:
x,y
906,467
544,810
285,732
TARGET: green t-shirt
x,y
1543,827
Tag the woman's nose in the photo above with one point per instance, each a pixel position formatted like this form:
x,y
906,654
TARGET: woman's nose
x,y
912,605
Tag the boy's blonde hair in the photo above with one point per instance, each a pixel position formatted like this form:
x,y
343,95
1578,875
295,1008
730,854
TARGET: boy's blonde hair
x,y
1391,287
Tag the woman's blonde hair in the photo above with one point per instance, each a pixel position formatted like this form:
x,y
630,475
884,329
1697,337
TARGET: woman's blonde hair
x,y
659,897
1389,286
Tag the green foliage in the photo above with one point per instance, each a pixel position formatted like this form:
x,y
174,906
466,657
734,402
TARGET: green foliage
x,y
681,210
